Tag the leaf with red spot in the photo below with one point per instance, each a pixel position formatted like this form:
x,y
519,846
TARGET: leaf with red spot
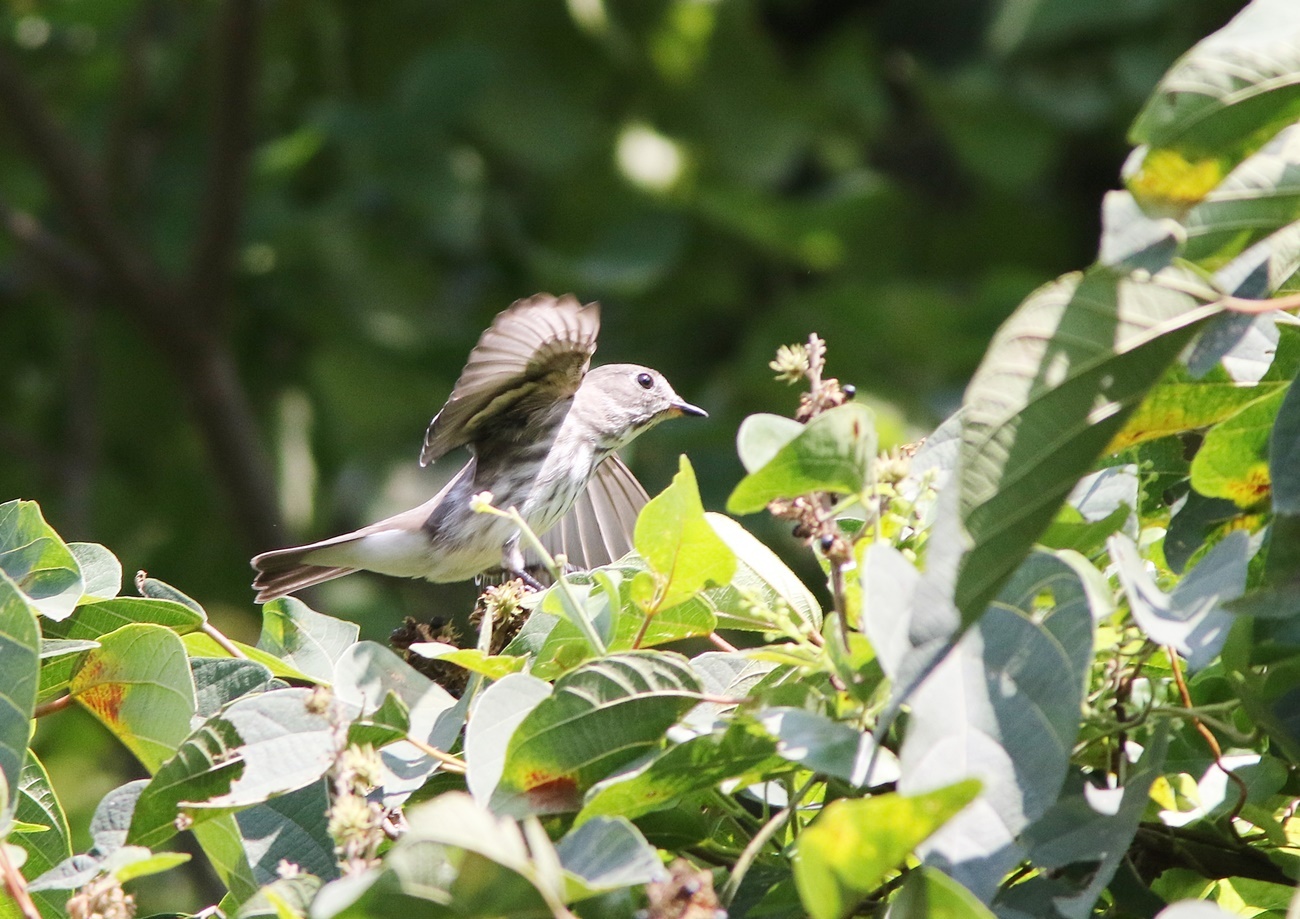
x,y
599,718
138,683
1233,461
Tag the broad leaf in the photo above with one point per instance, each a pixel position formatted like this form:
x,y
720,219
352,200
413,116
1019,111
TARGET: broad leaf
x,y
833,453
309,641
20,649
1052,391
37,561
138,684
1003,708
678,543
599,717
854,843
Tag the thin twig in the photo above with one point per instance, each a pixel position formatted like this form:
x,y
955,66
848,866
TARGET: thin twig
x,y
226,644
17,886
768,830
54,705
1210,740
449,762
722,643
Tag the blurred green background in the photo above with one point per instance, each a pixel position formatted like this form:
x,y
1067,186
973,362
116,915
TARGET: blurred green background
x,y
246,246
249,244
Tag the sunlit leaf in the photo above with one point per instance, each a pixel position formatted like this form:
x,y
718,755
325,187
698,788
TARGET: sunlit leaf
x,y
854,843
833,453
677,542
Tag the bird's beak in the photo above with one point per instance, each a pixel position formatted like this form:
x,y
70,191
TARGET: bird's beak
x,y
679,408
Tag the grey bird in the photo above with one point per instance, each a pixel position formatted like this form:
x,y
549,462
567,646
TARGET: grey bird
x,y
542,430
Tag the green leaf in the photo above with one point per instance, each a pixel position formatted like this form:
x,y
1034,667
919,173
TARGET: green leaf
x,y
37,560
37,803
827,747
497,713
219,681
388,723
309,641
101,572
138,684
604,854
1233,460
1003,707
852,846
698,764
833,453
1052,391
154,589
20,649
1232,91
760,576
455,852
200,644
931,894
678,543
492,666
600,717
91,620
761,437
283,898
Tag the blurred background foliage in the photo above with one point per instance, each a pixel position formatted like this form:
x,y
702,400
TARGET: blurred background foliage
x,y
247,245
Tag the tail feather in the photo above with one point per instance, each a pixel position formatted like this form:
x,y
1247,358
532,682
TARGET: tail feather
x,y
283,571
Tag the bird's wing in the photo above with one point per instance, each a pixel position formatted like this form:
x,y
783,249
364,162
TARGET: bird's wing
x,y
598,528
535,353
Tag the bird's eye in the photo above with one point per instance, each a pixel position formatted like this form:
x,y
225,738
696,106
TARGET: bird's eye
x,y
645,380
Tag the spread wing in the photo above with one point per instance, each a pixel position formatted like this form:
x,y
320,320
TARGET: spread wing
x,y
536,352
598,528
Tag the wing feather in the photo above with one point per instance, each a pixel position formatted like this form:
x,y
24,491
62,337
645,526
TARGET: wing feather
x,y
537,350
599,527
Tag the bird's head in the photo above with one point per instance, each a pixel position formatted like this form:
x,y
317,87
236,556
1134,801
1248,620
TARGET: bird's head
x,y
622,400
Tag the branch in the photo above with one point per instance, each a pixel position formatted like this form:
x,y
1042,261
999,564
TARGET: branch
x,y
223,208
79,188
56,257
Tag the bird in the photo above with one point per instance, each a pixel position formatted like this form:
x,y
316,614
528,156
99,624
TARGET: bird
x,y
542,428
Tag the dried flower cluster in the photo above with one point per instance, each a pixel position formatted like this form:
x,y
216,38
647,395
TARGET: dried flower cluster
x,y
359,825
687,893
102,898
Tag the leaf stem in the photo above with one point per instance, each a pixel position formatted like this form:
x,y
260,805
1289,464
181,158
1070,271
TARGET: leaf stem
x,y
575,611
226,644
54,705
17,887
449,762
761,838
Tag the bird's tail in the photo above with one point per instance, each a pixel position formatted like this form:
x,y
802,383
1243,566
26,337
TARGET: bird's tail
x,y
283,571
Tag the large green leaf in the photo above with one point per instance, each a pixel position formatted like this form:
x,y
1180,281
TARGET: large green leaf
x,y
760,575
833,453
678,544
600,717
854,843
697,764
1052,391
1003,707
38,561
456,859
309,641
20,650
1233,460
138,684
931,894
1229,94
38,805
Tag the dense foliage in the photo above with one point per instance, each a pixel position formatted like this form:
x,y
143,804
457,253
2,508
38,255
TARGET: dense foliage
x,y
1057,674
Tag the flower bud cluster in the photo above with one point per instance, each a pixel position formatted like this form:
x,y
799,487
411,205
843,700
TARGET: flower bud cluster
x,y
102,898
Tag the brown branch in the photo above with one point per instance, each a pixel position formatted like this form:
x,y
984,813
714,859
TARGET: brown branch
x,y
223,209
62,261
220,409
1210,740
79,188
13,882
